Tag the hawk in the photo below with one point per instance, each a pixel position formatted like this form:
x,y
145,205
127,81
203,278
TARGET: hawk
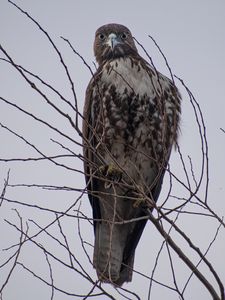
x,y
130,123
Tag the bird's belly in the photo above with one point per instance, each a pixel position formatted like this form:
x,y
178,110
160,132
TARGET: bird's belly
x,y
134,158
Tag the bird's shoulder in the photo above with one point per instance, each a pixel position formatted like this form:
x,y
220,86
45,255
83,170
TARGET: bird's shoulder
x,y
132,73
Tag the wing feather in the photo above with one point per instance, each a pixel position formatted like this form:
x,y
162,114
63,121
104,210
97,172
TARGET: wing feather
x,y
88,153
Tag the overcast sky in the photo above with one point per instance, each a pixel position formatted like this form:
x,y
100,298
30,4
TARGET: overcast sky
x,y
191,35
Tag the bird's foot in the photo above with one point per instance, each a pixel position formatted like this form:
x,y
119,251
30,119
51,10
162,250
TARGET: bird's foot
x,y
140,196
138,202
112,173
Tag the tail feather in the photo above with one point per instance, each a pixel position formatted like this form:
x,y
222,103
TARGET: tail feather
x,y
108,251
115,244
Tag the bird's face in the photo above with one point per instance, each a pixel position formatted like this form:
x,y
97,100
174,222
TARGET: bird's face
x,y
113,41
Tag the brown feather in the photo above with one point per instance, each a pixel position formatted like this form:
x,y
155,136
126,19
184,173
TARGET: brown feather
x,y
131,121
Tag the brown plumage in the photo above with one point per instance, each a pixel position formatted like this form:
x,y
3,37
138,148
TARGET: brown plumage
x,y
131,120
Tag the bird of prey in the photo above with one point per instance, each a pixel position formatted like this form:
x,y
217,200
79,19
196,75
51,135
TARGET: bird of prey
x,y
130,123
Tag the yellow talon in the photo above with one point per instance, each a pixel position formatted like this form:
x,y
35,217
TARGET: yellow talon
x,y
111,172
138,202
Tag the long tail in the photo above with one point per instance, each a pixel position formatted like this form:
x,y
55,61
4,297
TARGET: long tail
x,y
115,244
110,242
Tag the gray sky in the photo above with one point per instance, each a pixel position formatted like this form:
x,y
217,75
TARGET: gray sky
x,y
191,35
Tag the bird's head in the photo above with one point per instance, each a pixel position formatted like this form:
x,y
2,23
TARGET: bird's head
x,y
113,41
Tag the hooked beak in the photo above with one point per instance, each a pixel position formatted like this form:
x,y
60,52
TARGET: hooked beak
x,y
112,40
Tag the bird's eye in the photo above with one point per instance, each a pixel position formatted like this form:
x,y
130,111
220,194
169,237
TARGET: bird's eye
x,y
123,35
101,36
